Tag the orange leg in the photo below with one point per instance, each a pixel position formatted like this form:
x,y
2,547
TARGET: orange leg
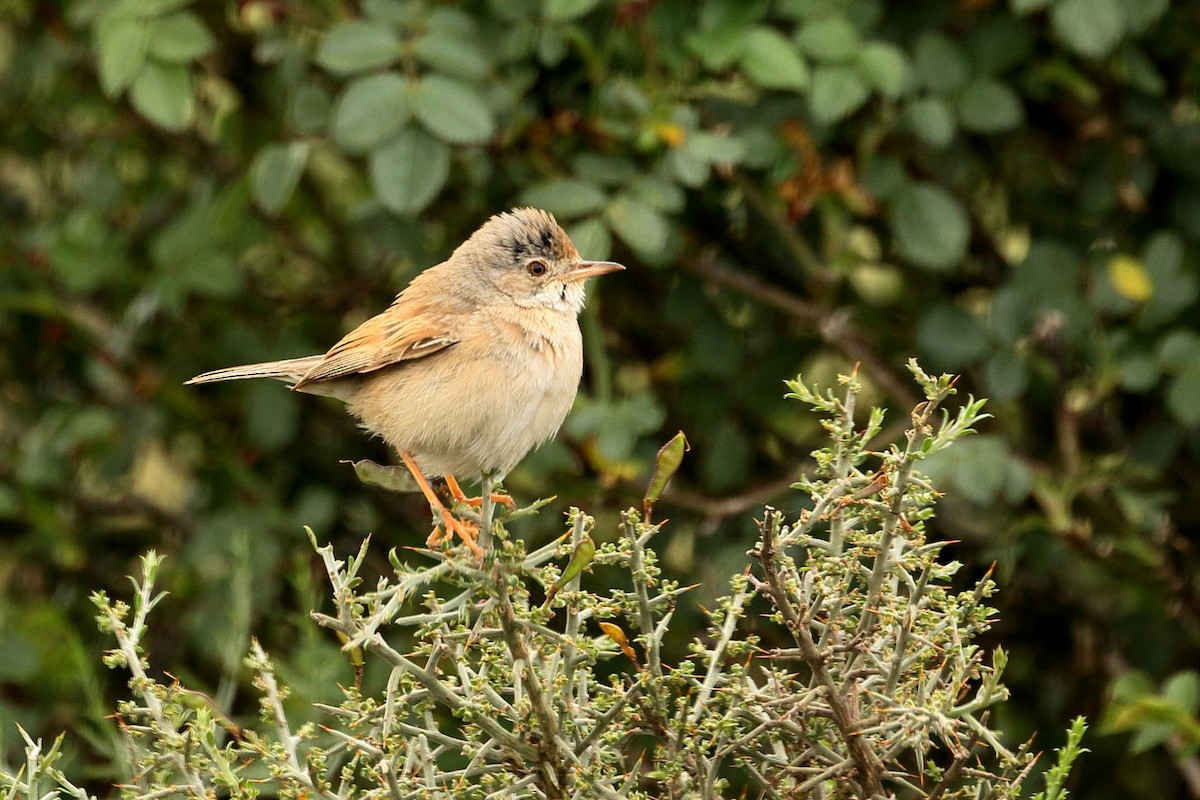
x,y
465,530
475,502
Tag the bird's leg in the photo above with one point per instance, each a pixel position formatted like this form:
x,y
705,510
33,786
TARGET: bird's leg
x,y
465,530
475,502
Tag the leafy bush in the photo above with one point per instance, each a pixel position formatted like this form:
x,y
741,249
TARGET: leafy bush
x,y
496,670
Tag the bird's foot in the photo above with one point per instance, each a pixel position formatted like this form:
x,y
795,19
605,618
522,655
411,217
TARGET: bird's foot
x,y
467,532
460,496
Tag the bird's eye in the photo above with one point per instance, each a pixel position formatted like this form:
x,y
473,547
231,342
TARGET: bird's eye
x,y
536,267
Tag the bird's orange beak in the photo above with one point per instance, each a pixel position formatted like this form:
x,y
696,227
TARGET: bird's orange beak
x,y
590,269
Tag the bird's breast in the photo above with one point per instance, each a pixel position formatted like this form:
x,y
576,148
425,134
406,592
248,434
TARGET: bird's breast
x,y
483,403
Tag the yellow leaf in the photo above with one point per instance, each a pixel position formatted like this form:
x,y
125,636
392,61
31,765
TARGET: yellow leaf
x,y
618,636
670,133
1128,276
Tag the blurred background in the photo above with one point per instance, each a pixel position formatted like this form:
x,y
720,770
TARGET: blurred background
x,y
1006,189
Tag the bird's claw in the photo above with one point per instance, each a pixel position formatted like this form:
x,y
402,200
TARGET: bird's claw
x,y
497,497
467,532
460,496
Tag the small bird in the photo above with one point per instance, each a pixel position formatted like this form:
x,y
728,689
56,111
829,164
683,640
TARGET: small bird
x,y
473,365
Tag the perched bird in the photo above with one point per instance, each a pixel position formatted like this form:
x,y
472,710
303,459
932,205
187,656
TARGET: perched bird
x,y
473,365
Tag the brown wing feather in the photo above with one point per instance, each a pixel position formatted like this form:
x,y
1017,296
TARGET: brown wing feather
x,y
408,330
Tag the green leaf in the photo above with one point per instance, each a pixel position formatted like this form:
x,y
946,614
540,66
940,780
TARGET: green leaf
x,y
370,110
1164,253
1089,27
392,479
409,171
309,109
932,121
1138,372
1001,44
1005,375
551,46
1175,287
638,224
564,10
719,47
591,238
831,39
981,469
1139,15
389,12
179,37
451,45
989,106
606,170
565,197
836,93
885,67
1151,734
1024,7
580,559
212,273
1183,398
162,93
451,56
10,503
884,176
687,167
1130,687
930,226
663,194
154,8
85,253
122,41
1136,69
666,464
771,61
731,13
950,338
616,424
357,45
1175,349
1182,691
452,110
940,64
275,172
715,148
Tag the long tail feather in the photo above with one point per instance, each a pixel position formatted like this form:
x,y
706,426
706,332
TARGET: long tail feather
x,y
289,369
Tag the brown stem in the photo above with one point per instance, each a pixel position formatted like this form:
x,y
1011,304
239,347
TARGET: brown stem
x,y
834,327
1066,428
552,770
722,507
843,713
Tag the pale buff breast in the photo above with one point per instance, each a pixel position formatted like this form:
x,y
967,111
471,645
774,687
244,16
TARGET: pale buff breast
x,y
474,409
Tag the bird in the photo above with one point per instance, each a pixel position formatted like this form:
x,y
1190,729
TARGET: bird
x,y
475,363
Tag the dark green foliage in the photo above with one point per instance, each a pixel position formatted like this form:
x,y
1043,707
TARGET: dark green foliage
x,y
1010,190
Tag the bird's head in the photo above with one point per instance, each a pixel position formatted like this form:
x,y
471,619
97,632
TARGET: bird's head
x,y
529,258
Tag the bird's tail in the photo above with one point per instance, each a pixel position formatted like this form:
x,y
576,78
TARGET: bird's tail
x,y
289,369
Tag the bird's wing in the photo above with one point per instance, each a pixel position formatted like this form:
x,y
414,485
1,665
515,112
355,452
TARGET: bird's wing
x,y
405,332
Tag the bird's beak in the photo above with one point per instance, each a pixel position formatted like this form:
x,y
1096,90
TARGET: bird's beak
x,y
590,269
